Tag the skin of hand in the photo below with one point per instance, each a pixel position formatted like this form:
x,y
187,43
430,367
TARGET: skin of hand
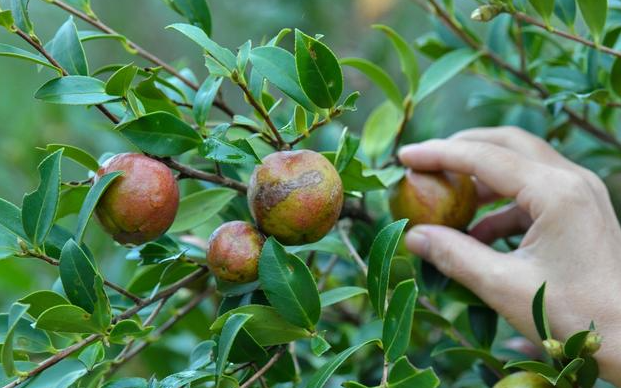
x,y
572,240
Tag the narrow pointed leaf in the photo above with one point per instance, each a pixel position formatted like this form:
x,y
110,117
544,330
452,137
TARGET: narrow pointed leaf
x,y
231,327
399,319
67,49
378,76
77,275
407,58
74,90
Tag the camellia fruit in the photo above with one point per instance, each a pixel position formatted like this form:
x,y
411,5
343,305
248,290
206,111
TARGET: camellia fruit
x,y
295,196
440,198
140,205
234,251
523,380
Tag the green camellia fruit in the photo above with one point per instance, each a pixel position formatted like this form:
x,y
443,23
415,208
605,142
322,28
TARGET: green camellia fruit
x,y
440,198
234,251
140,205
295,196
523,380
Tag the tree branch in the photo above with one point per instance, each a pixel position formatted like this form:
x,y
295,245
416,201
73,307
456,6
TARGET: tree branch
x,y
263,369
264,114
352,250
189,172
335,113
50,260
140,51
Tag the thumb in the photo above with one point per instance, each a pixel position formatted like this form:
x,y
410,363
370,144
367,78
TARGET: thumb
x,y
461,257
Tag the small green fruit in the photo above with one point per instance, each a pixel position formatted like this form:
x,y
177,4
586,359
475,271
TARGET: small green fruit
x,y
440,198
523,380
295,196
140,205
234,251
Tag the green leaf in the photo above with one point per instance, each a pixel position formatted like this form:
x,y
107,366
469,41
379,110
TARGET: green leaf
x,y
615,77
348,146
7,21
77,275
378,76
480,354
102,314
19,9
16,312
380,129
39,207
76,154
587,375
185,378
483,323
15,52
543,8
120,81
533,366
357,177
380,258
201,354
70,201
160,134
321,376
289,285
299,121
204,98
222,55
407,58
336,295
405,375
92,355
127,330
278,66
243,56
11,220
88,206
63,374
231,327
594,13
67,49
574,344
220,150
399,319
266,326
540,315
319,345
196,11
39,301
568,370
153,98
67,319
25,337
566,11
74,90
318,70
198,208
443,70
84,5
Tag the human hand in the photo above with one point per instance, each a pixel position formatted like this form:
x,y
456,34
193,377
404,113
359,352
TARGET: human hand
x,y
572,240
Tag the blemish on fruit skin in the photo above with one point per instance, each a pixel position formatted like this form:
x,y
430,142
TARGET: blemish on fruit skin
x,y
272,194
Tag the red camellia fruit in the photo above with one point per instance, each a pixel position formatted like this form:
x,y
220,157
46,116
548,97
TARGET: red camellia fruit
x,y
234,251
140,205
523,380
295,196
440,198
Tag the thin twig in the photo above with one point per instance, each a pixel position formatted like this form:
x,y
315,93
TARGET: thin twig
x,y
530,20
141,52
263,369
50,260
264,114
352,250
384,382
189,172
335,113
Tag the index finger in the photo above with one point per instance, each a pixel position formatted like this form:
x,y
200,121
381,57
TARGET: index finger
x,y
503,170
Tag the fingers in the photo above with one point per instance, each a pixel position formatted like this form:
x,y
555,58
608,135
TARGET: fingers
x,y
504,222
502,170
518,140
464,259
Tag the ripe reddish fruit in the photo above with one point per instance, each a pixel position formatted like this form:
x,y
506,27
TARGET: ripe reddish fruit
x,y
140,205
523,380
234,251
440,198
295,196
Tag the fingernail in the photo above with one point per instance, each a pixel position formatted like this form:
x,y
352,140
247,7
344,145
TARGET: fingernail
x,y
417,242
406,148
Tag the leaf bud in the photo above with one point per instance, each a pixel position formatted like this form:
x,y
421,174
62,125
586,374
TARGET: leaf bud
x,y
554,348
485,13
592,343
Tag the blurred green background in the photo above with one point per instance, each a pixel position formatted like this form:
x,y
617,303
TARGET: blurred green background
x,y
26,123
